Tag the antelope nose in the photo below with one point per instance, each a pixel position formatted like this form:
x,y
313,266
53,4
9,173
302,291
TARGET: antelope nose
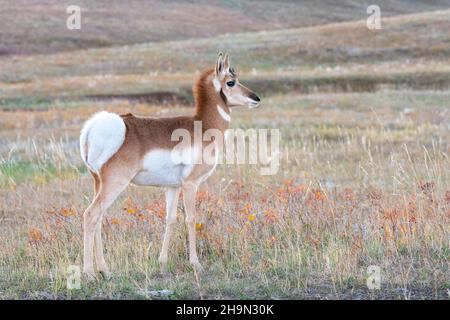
x,y
255,97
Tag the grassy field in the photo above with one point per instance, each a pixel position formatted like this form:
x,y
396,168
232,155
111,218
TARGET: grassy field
x,y
38,26
364,174
336,57
362,182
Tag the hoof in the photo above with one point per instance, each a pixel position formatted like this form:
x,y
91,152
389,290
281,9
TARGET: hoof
x,y
106,275
89,275
163,268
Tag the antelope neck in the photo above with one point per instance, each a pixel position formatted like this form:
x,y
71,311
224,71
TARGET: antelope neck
x,y
212,110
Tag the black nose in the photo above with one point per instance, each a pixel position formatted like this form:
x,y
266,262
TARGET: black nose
x,y
254,97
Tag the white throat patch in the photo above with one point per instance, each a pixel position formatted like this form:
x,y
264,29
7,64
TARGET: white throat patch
x,y
216,84
225,116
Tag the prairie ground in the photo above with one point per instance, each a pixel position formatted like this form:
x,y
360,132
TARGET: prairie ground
x,y
363,181
364,176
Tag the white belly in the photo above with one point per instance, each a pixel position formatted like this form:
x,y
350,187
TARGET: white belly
x,y
160,169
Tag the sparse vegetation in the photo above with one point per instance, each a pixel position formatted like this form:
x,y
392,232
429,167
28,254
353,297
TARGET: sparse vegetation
x,y
361,183
345,57
108,23
364,176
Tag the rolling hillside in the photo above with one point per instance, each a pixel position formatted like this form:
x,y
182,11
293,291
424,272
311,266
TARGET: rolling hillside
x,y
39,26
362,160
411,51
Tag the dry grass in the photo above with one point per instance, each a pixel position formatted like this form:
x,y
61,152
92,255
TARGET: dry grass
x,y
38,26
364,177
337,57
364,180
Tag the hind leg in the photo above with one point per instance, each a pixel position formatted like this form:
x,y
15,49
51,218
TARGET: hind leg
x,y
112,183
98,243
100,262
96,182
90,217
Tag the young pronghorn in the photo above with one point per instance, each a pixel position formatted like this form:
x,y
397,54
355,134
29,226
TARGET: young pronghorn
x,y
122,149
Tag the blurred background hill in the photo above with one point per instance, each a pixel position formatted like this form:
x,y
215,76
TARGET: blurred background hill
x,y
37,26
364,173
152,50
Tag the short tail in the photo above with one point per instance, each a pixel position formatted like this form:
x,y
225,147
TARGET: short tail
x,y
101,137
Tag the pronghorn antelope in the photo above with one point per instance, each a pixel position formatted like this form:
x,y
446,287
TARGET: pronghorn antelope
x,y
124,149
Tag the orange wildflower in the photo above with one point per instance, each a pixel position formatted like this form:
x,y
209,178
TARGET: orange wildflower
x,y
157,208
271,216
349,195
426,187
271,240
202,196
281,192
391,214
35,235
248,207
301,188
115,221
68,212
319,195
447,197
131,208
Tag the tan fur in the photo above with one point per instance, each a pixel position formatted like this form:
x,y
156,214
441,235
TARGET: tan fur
x,y
143,135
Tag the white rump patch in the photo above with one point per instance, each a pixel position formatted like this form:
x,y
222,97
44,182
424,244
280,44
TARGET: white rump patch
x,y
225,116
101,137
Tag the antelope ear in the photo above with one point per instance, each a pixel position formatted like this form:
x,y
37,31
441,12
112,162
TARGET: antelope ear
x,y
226,63
220,68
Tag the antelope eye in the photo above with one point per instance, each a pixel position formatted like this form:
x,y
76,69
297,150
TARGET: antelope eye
x,y
231,83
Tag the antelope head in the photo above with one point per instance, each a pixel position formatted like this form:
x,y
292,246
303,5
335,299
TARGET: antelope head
x,y
232,91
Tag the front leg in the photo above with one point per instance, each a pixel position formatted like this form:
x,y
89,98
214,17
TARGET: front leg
x,y
189,193
172,195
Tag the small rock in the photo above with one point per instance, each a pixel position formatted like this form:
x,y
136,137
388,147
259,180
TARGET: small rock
x,y
408,111
161,294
